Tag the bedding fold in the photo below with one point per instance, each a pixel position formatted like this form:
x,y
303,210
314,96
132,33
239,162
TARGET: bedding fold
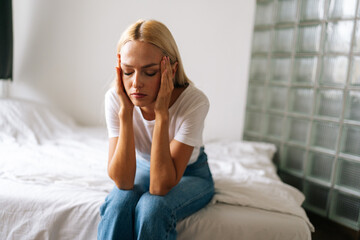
x,y
245,175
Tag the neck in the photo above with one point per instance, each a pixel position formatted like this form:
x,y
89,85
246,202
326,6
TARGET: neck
x,y
148,112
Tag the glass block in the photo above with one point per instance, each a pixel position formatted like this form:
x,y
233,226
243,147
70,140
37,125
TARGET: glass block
x,y
334,71
329,103
286,11
277,98
250,138
356,46
316,197
255,96
258,69
309,38
355,71
305,70
338,36
301,100
297,130
320,166
261,41
283,41
350,140
264,13
345,209
294,158
348,174
253,122
342,9
352,109
324,135
312,9
280,69
274,126
292,180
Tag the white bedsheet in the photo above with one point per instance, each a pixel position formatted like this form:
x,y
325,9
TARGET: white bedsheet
x,y
52,187
244,175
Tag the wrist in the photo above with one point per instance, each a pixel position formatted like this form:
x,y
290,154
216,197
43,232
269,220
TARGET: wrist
x,y
163,114
126,113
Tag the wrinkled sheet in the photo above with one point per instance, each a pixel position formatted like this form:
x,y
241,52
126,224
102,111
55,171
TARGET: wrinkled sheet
x,y
245,175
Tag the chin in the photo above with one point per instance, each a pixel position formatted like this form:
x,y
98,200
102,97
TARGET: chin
x,y
140,103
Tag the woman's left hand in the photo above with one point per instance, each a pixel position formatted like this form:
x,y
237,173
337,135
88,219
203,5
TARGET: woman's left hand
x,y
166,87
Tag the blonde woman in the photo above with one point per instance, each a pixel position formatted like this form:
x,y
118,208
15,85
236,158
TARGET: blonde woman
x,y
155,119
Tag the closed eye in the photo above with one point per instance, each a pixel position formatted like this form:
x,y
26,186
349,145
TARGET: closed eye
x,y
151,74
128,74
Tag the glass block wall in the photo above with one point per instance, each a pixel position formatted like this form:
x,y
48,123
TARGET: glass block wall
x,y
304,96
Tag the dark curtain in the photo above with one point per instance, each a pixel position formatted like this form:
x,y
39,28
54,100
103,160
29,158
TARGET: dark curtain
x,y
6,40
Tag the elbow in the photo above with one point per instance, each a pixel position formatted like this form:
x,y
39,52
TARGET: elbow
x,y
158,192
121,183
160,189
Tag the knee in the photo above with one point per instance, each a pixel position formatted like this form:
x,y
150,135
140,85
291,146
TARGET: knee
x,y
119,200
151,207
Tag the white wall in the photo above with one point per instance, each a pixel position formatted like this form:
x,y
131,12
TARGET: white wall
x,y
64,53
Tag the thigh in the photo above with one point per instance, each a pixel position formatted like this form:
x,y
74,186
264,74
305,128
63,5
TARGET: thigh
x,y
189,195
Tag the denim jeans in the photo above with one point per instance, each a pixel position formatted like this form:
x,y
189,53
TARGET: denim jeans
x,y
137,214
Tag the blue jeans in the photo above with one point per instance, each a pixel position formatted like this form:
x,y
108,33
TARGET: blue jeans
x,y
137,214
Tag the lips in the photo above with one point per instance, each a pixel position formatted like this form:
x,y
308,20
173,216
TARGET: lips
x,y
138,95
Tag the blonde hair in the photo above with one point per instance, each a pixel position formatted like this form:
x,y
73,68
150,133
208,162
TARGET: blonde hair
x,y
156,33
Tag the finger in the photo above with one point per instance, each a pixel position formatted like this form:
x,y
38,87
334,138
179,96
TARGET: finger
x,y
169,72
118,73
162,65
118,59
163,71
118,80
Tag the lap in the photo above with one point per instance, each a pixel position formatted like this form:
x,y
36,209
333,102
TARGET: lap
x,y
189,195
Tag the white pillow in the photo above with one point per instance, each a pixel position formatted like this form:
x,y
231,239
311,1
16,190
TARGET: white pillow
x,y
24,121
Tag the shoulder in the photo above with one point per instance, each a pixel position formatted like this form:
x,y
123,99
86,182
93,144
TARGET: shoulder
x,y
195,95
111,98
111,93
191,100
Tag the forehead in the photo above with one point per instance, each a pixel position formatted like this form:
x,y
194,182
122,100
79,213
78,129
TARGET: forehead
x,y
140,53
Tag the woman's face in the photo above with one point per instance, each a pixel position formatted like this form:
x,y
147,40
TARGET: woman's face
x,y
141,72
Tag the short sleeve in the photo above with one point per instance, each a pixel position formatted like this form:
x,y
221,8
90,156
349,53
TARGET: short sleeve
x,y
192,125
112,107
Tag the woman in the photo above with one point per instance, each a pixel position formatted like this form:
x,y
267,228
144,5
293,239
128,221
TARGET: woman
x,y
155,118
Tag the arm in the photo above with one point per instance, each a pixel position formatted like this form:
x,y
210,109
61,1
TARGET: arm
x,y
122,159
168,159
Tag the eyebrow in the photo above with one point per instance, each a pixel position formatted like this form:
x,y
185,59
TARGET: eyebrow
x,y
146,66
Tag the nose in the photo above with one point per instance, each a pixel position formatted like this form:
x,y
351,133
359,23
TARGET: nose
x,y
137,83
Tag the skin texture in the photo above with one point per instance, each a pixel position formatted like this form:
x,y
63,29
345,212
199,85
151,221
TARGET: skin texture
x,y
145,79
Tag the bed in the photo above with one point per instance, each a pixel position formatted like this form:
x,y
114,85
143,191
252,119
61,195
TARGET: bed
x,y
53,180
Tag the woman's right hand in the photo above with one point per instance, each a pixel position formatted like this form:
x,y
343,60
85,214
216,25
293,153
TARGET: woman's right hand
x,y
125,102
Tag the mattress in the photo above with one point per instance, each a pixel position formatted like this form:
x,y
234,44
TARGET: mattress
x,y
53,180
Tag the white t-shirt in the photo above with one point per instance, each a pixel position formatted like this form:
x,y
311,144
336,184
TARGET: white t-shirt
x,y
186,125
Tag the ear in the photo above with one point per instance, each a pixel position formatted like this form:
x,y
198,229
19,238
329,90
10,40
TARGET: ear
x,y
174,68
